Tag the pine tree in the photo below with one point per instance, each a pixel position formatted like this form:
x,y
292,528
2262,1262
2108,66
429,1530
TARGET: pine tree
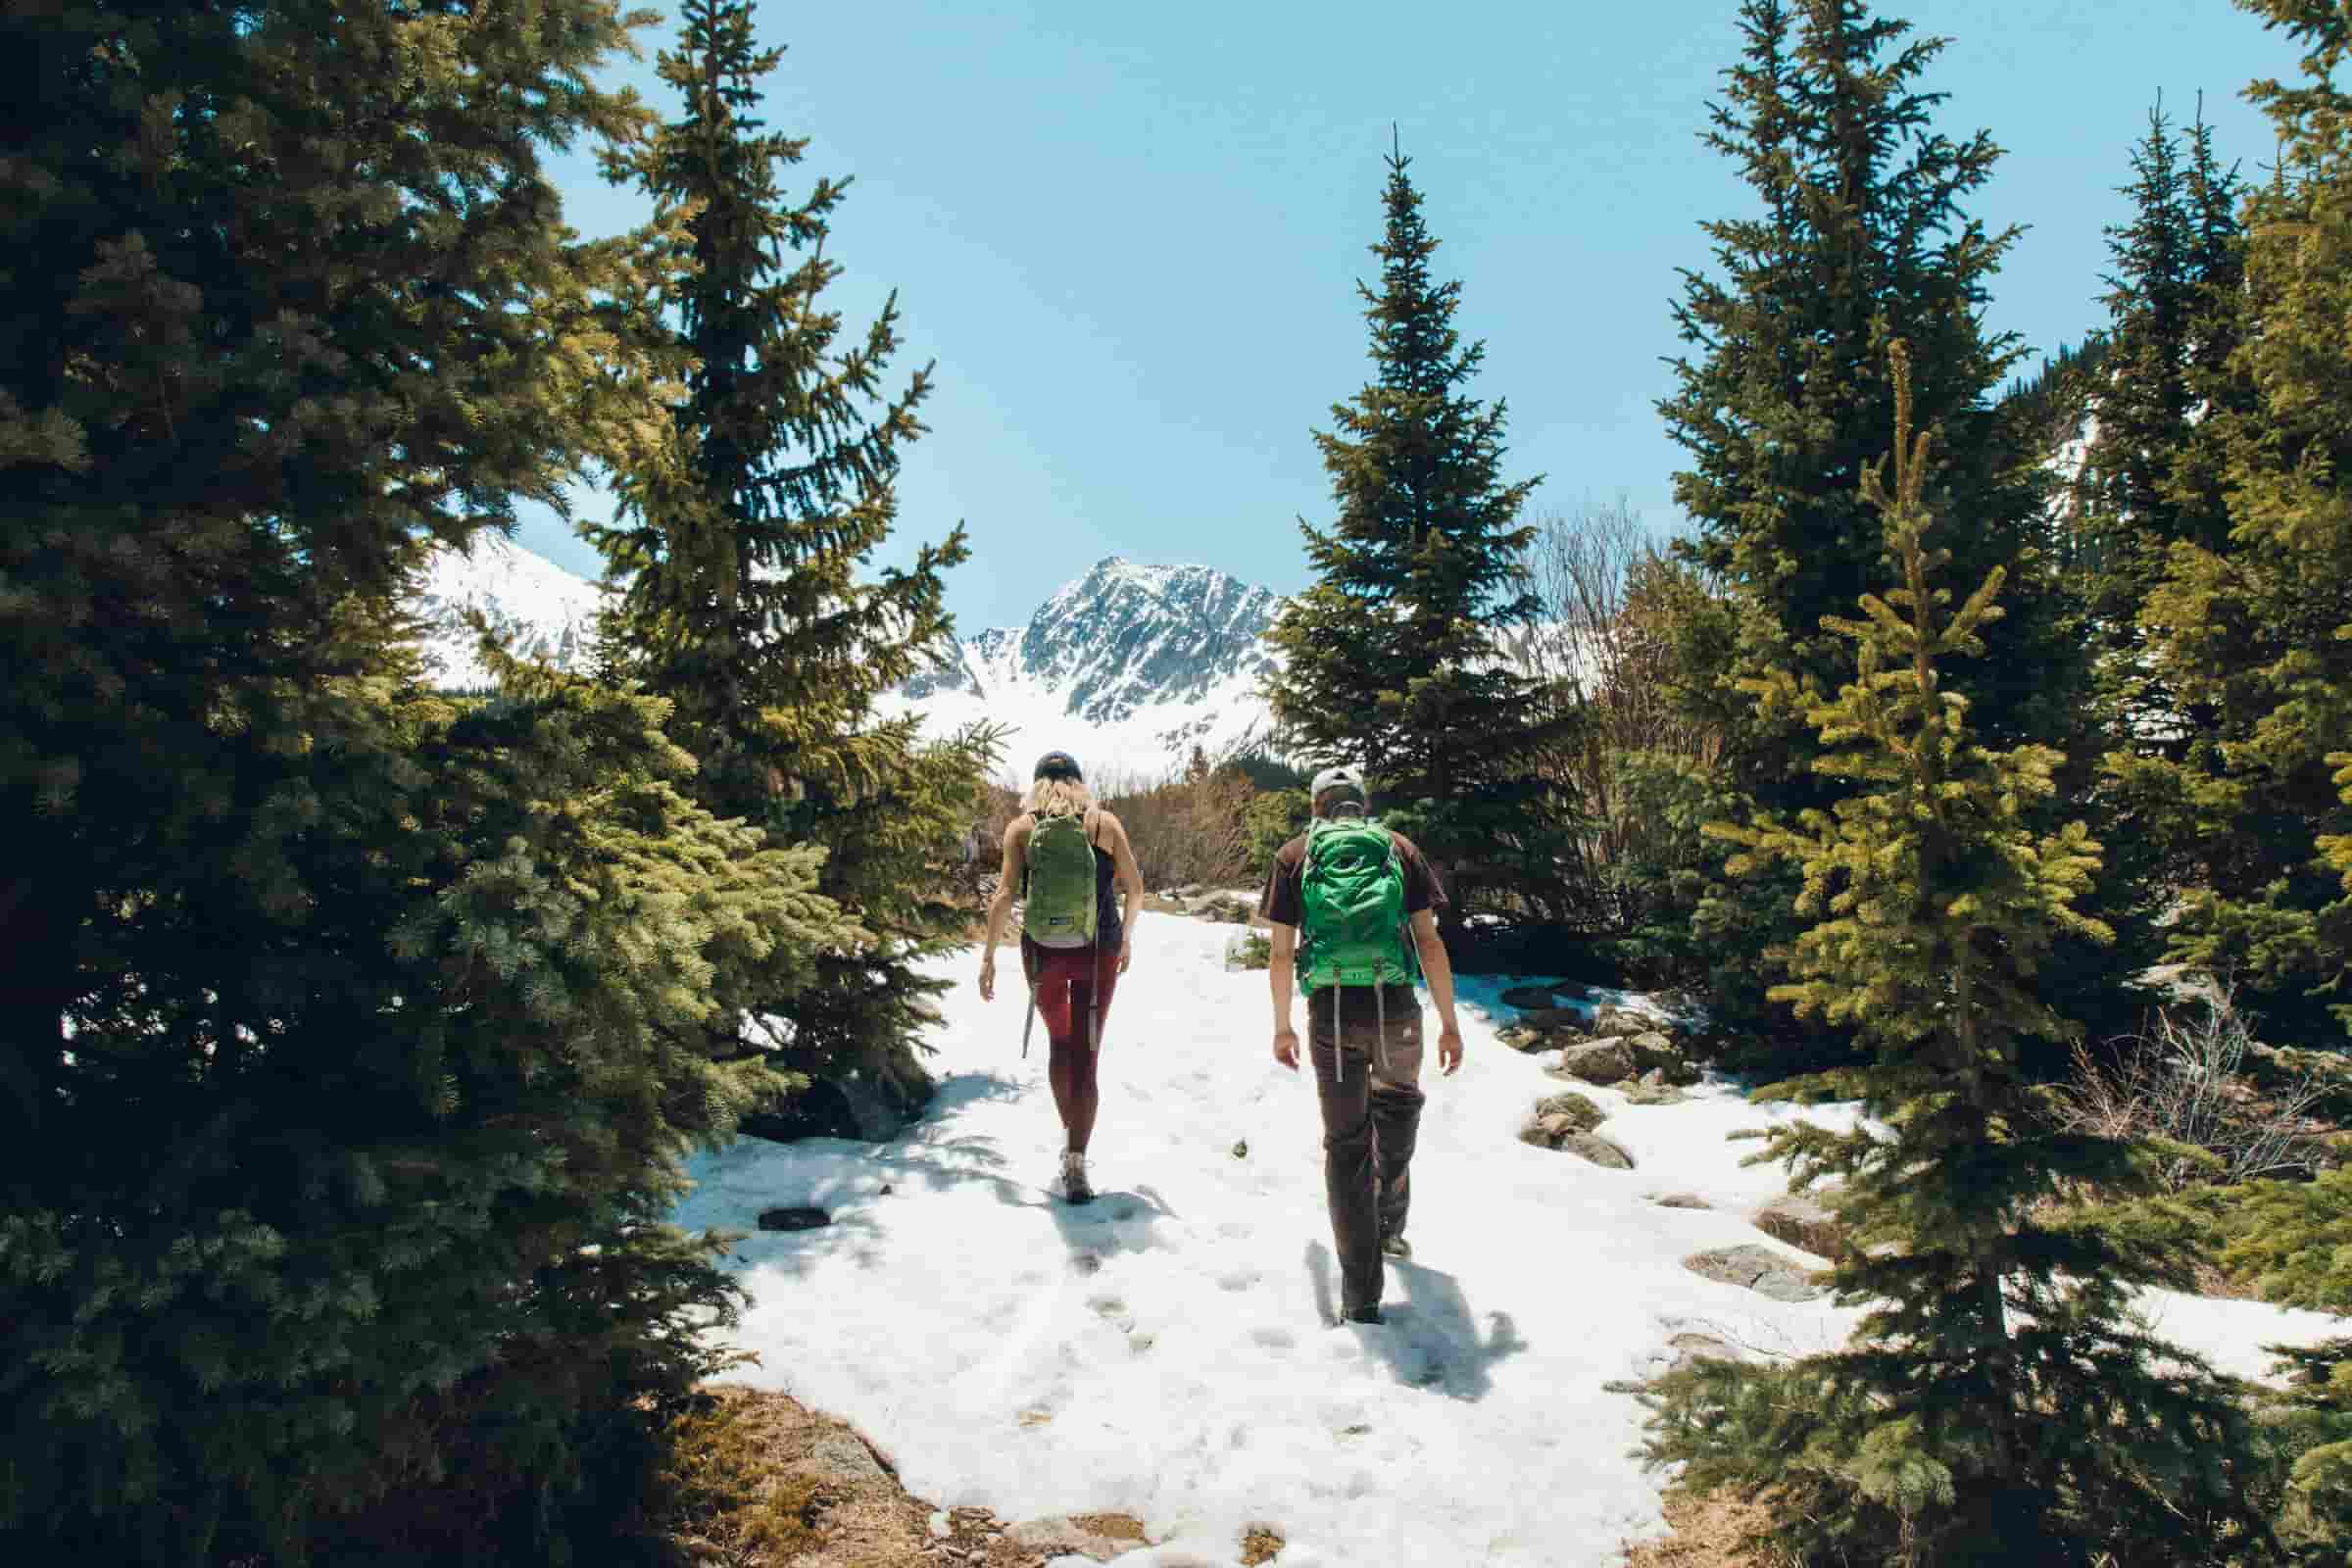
x,y
2253,631
1996,1405
1862,236
1390,657
2171,326
352,1037
738,554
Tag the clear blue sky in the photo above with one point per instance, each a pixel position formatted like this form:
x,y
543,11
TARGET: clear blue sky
x,y
1129,235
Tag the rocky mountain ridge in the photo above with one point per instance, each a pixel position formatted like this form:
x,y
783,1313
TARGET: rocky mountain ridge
x,y
1129,666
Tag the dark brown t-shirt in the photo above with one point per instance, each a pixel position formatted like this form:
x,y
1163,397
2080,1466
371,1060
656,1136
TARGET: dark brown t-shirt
x,y
1281,900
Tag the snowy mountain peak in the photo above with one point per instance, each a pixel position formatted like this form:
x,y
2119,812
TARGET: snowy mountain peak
x,y
1135,662
542,610
1129,664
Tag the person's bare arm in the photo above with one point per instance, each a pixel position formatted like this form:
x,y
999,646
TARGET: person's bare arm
x,y
1279,978
1129,879
999,908
1439,970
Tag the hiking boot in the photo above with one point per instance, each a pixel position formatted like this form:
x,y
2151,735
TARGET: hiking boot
x,y
1364,1314
1396,1245
1075,1187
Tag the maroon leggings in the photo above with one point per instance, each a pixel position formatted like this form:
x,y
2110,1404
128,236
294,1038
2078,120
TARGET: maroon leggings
x,y
1067,994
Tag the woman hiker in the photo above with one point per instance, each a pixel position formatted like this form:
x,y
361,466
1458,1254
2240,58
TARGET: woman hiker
x,y
1065,855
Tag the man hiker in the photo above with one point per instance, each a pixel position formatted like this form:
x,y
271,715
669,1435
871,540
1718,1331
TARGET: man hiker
x,y
1354,906
1065,855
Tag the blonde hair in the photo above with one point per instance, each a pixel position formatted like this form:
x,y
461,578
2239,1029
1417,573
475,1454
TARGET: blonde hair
x,y
1058,797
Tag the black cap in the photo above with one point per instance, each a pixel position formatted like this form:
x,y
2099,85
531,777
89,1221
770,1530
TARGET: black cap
x,y
1058,765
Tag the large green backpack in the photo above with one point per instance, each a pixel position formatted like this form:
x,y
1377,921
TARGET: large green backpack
x,y
1062,902
1352,925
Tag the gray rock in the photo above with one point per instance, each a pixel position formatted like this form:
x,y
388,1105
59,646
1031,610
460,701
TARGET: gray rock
x,y
1596,1148
1612,1019
1645,1093
1552,1019
1595,1062
1804,1223
1682,1201
1586,1114
1757,1269
1241,1149
1558,1127
1655,1051
793,1219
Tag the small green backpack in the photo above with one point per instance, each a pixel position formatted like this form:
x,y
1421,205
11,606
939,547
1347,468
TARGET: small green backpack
x,y
1063,904
1352,918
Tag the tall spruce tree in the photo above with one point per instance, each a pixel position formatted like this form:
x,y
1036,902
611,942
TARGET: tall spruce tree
x,y
1997,1404
2254,630
351,1037
1390,657
739,554
2147,479
1862,235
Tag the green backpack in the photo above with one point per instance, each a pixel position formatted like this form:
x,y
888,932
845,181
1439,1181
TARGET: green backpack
x,y
1352,896
1062,905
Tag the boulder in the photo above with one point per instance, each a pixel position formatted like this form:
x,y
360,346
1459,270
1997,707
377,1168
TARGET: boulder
x,y
1596,1148
1804,1223
1529,996
1757,1269
1570,1104
1553,1018
1646,1093
1610,1019
1682,1201
1654,1050
1595,1062
793,1219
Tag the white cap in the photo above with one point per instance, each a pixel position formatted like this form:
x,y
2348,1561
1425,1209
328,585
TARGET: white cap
x,y
1346,776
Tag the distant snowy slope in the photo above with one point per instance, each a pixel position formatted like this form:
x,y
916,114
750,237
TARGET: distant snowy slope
x,y
543,611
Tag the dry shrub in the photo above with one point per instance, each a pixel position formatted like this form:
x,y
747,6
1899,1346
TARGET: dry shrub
x,y
1607,647
1191,830
2188,1081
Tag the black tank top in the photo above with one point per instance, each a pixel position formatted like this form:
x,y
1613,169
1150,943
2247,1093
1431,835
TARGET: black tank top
x,y
1109,932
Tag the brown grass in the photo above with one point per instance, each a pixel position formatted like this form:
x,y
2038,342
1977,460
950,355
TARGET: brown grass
x,y
1707,1534
757,1480
1260,1545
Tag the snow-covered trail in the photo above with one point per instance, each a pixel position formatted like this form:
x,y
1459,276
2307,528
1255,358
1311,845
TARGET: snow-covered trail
x,y
1164,1350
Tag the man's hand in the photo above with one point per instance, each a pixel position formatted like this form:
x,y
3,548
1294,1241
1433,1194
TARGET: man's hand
x,y
1126,955
1449,1049
1286,1048
988,977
